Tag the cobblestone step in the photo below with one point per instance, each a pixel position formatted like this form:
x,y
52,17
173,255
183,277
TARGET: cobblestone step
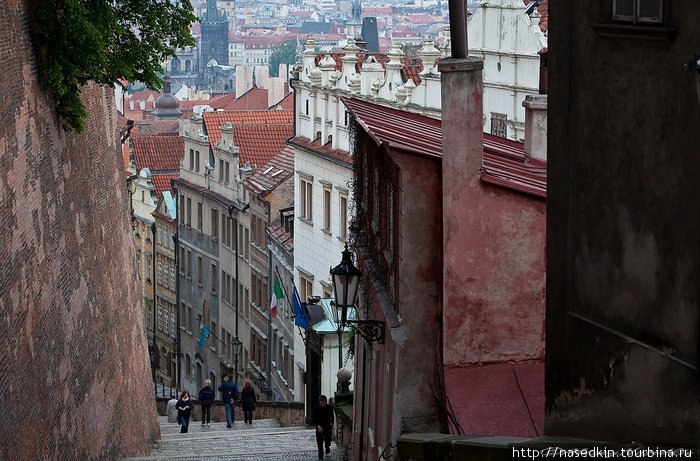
x,y
263,440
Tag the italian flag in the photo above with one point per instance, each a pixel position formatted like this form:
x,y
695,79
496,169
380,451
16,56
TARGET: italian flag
x,y
277,294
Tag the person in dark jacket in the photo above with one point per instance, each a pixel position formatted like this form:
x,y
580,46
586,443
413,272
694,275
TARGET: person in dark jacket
x,y
206,398
323,419
184,408
229,394
248,401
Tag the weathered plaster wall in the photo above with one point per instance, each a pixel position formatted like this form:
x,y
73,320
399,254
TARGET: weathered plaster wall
x,y
74,370
623,253
395,385
493,277
494,250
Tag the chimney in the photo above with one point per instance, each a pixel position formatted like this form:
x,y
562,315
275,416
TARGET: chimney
x,y
536,126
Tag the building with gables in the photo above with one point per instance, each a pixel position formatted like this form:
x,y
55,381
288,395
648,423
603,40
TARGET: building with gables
x,y
214,229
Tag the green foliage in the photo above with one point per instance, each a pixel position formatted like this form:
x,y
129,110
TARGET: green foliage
x,y
78,41
286,53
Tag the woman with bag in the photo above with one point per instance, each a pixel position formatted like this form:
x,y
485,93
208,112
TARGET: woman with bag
x,y
184,408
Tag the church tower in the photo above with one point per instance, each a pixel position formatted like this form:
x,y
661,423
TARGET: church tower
x,y
214,35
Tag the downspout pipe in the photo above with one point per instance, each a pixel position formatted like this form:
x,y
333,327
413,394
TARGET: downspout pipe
x,y
458,28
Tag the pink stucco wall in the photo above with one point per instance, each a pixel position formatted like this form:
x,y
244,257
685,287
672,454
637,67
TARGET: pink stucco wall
x,y
493,276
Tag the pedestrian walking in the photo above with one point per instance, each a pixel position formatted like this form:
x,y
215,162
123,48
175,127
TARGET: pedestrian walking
x,y
206,398
323,419
248,401
229,394
184,408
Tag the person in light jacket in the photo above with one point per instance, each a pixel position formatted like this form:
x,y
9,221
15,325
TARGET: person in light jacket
x,y
248,401
206,398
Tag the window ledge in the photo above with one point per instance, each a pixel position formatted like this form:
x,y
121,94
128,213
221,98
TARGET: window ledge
x,y
306,221
341,238
326,231
636,31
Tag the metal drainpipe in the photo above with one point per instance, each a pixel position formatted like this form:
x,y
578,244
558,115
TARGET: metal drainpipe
x,y
458,28
176,239
270,282
153,281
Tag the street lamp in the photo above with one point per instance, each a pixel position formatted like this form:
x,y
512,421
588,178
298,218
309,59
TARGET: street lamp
x,y
236,352
346,281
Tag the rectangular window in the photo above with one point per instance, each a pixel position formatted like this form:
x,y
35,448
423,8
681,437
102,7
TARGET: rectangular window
x,y
160,319
246,242
227,178
306,287
498,125
199,215
172,279
149,320
172,324
196,159
199,269
160,273
158,233
343,216
182,260
191,159
214,278
166,323
221,170
182,206
165,276
189,318
148,269
214,343
643,11
189,212
189,263
327,208
214,222
306,199
172,239
165,237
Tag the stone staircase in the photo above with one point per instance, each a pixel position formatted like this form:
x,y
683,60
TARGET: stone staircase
x,y
264,440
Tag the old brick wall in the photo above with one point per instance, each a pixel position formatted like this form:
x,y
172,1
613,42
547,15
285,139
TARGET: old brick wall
x,y
74,370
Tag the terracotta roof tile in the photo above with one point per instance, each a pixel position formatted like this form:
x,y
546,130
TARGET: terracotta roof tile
x,y
162,181
273,173
323,150
159,152
220,102
543,9
259,143
503,161
253,99
287,103
285,238
214,120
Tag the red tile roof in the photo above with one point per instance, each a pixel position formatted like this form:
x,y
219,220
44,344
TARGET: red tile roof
x,y
162,181
287,103
325,150
503,161
220,102
253,99
543,9
214,120
285,238
259,143
159,152
273,173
